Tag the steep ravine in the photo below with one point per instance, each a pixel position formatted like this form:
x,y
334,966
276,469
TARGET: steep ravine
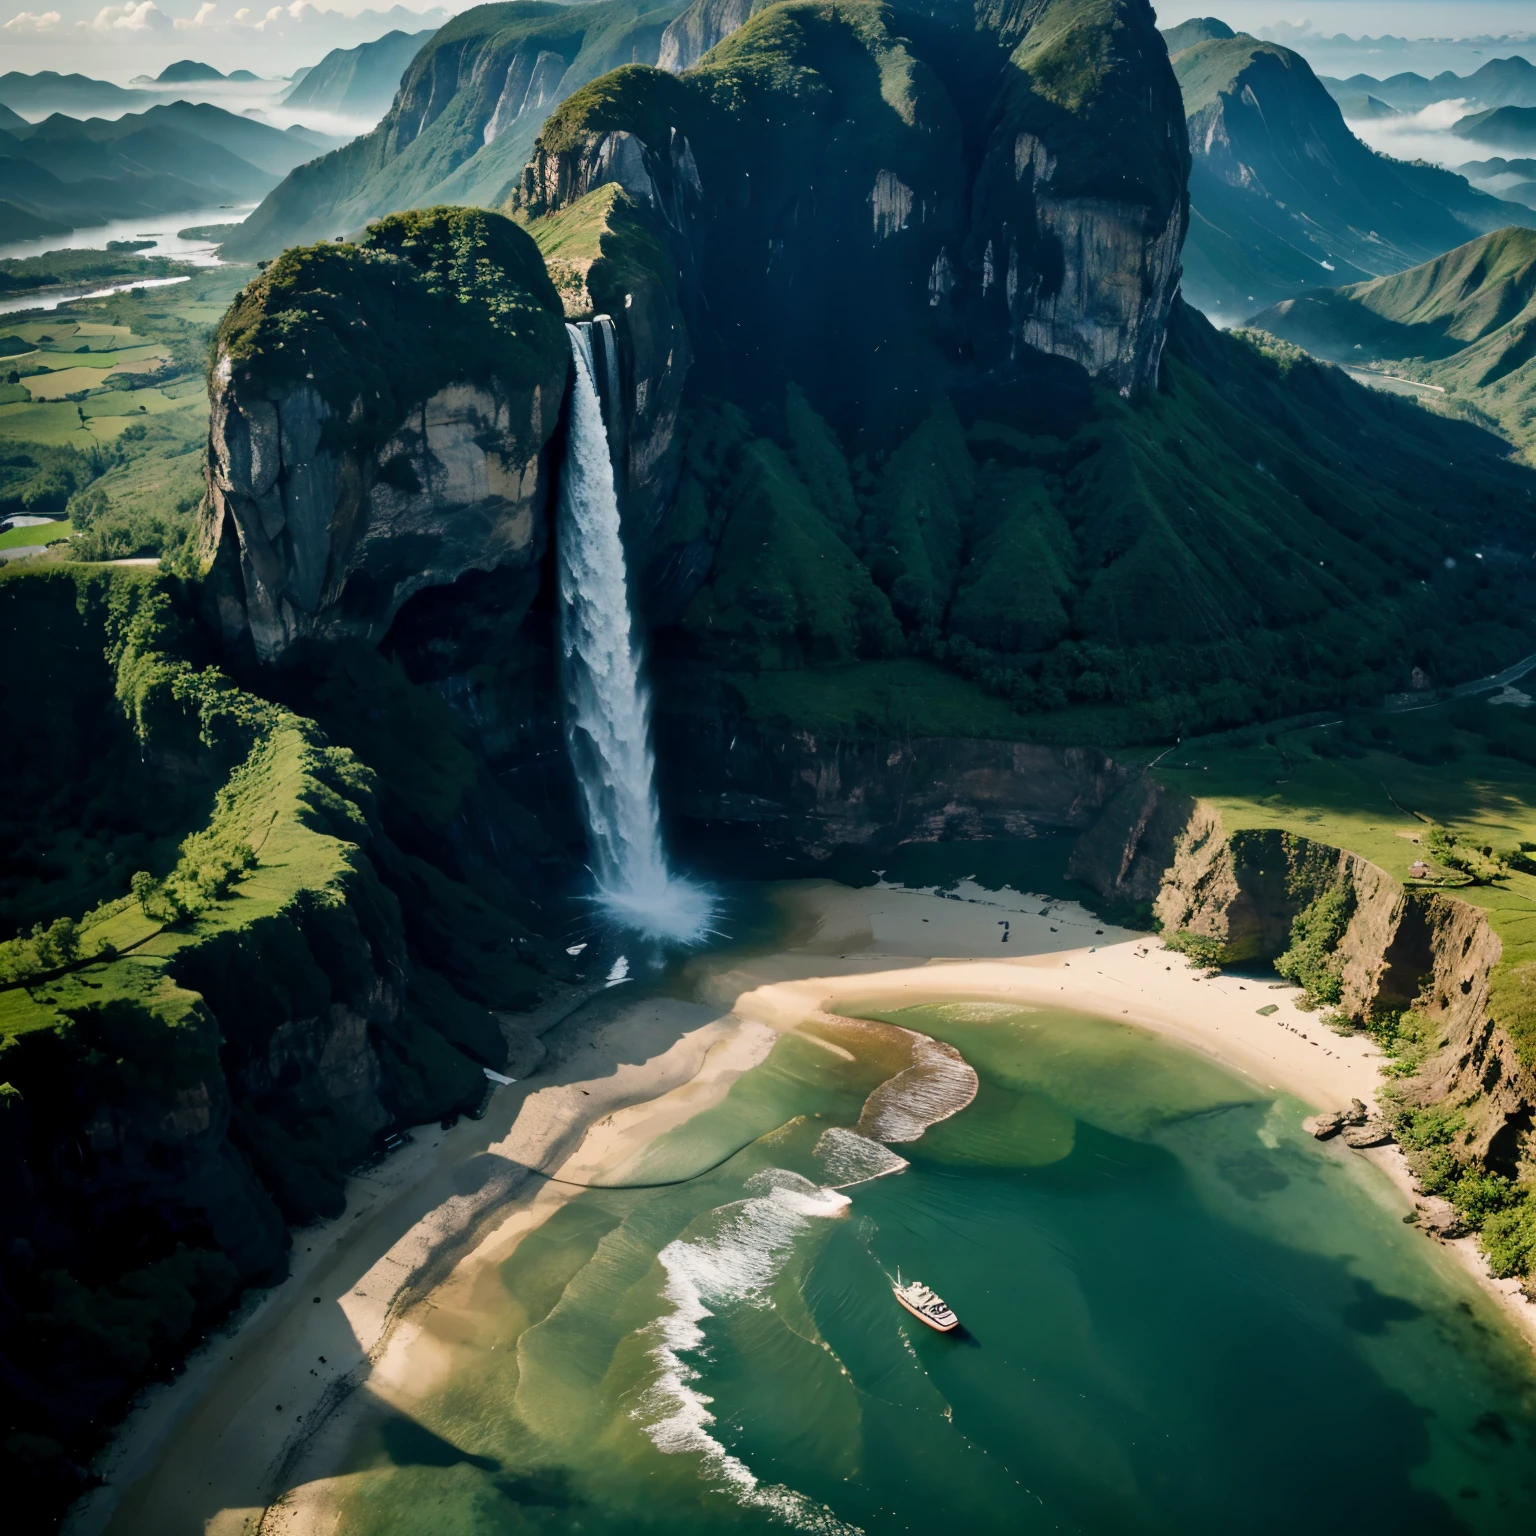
x,y
1414,951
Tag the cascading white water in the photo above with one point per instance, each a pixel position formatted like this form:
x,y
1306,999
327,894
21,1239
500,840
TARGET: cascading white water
x,y
607,709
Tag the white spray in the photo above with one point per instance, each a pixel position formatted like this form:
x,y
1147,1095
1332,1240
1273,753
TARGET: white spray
x,y
607,708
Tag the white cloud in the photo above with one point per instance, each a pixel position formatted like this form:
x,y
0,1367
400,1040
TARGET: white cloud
x,y
33,21
145,16
204,18
300,10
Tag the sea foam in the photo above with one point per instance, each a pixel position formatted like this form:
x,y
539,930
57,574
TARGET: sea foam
x,y
735,1265
847,1158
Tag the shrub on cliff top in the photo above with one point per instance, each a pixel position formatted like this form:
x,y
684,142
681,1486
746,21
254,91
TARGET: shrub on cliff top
x,y
427,298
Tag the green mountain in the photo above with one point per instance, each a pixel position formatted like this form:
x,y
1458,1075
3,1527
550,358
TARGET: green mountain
x,y
1507,82
69,173
1512,128
1465,323
1286,198
469,108
359,81
1200,29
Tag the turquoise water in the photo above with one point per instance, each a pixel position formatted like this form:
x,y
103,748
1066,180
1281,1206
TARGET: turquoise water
x,y
1181,1315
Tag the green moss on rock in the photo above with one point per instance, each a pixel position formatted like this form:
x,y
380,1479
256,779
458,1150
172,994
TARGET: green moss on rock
x,y
427,298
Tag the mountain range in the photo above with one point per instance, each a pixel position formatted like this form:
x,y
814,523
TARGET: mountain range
x,y
359,81
65,173
1285,198
1514,180
1464,323
1507,82
470,105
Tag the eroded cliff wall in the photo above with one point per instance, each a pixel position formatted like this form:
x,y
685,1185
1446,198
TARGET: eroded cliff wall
x,y
1419,950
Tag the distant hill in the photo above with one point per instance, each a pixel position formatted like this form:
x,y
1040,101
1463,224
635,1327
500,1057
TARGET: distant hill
x,y
360,81
1285,198
1514,180
186,71
471,103
1465,322
275,150
65,173
1503,128
1507,82
1365,108
48,91
20,224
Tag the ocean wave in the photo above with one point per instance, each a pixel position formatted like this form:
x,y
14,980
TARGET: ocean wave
x,y
848,1158
734,1265
939,1083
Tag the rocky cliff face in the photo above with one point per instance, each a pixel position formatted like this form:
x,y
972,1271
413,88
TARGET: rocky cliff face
x,y
1064,247
804,796
220,1042
396,445
705,23
1422,950
333,542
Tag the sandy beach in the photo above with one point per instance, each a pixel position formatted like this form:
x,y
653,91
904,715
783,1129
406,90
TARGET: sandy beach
x,y
246,1439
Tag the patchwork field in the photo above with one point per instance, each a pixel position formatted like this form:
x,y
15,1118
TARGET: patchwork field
x,y
104,413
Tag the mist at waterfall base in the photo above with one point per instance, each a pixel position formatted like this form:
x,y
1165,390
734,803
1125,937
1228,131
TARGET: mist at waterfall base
x,y
607,706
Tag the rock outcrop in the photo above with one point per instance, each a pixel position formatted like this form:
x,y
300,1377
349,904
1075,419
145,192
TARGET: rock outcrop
x,y
394,445
1072,251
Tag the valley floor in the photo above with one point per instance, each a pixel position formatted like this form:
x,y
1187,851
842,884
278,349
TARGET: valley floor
x,y
267,1410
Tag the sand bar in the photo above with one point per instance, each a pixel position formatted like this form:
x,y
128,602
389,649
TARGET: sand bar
x,y
215,1453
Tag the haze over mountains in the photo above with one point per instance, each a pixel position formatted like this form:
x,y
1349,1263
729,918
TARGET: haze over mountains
x,y
360,81
1507,82
64,173
1285,197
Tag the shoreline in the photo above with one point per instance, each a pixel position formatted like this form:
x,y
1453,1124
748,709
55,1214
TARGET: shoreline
x,y
214,1452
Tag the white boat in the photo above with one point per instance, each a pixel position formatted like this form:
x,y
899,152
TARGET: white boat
x,y
924,1305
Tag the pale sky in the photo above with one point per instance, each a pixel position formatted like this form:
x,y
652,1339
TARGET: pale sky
x,y
116,42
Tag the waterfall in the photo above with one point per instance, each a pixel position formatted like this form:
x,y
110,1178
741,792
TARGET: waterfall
x,y
607,708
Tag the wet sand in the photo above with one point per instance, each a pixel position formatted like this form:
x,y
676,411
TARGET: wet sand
x,y
263,1414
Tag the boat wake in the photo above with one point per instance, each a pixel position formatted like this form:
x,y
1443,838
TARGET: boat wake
x,y
734,1265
